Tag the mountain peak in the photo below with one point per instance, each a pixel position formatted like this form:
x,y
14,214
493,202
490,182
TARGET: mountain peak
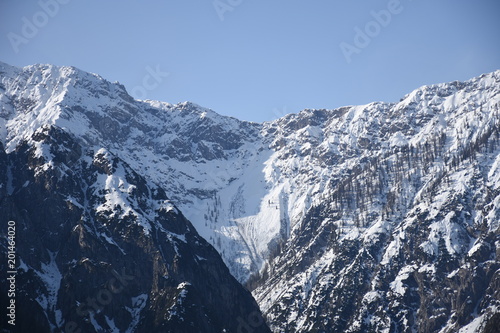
x,y
95,229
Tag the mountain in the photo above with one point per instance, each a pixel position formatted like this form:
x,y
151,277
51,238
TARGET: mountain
x,y
381,217
99,247
402,229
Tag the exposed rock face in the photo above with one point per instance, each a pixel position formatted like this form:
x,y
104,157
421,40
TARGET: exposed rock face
x,y
99,248
382,217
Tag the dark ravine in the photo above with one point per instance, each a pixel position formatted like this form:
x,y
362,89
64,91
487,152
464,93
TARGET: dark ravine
x,y
88,270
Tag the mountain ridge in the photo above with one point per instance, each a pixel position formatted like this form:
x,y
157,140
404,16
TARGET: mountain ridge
x,y
288,200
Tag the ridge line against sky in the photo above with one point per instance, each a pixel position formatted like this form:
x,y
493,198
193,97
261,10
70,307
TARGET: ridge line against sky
x,y
258,60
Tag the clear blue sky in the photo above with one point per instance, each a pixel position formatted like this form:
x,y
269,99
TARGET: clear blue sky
x,y
258,59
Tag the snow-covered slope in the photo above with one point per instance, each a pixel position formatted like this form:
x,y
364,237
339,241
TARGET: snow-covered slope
x,y
399,230
305,206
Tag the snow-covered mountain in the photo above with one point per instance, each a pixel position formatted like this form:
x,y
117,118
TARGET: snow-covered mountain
x,y
402,229
99,247
380,217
